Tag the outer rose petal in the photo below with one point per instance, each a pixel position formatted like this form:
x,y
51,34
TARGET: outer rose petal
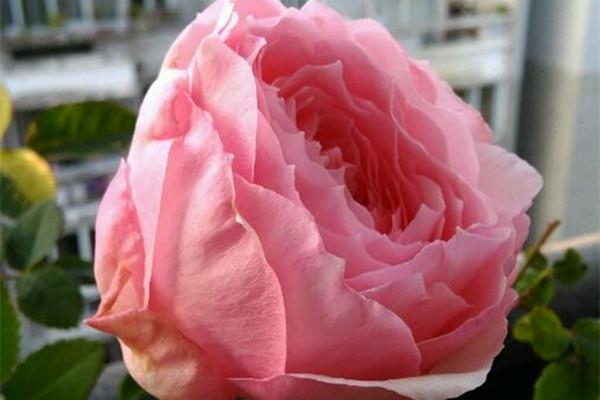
x,y
240,323
319,387
184,48
160,358
222,83
509,182
164,116
209,274
118,239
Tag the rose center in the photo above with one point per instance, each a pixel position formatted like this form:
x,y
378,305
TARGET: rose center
x,y
340,143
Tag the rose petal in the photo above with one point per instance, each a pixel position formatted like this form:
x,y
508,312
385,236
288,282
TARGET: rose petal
x,y
222,83
319,387
472,345
303,387
159,357
509,182
165,114
271,170
331,329
426,226
209,273
118,240
416,306
259,8
183,49
379,44
162,360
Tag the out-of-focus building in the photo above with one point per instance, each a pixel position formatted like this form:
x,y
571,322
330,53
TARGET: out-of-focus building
x,y
560,123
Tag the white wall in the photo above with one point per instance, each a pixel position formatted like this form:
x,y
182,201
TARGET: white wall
x,y
560,118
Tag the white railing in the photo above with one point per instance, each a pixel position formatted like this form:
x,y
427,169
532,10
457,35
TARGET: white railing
x,y
75,16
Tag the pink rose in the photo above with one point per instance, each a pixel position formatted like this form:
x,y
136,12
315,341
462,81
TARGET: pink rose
x,y
307,213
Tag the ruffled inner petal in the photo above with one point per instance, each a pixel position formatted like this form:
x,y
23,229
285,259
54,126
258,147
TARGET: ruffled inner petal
x,y
331,329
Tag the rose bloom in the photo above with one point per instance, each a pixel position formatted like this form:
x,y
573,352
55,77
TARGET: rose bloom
x,y
307,213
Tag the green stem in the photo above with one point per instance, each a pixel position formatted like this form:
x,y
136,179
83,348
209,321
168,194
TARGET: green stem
x,y
527,293
550,228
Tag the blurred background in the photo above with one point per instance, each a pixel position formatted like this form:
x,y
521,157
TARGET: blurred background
x,y
531,66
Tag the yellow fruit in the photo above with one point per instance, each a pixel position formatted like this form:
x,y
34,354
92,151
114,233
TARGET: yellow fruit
x,y
29,172
5,111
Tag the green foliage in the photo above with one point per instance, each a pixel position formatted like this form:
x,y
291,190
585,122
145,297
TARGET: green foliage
x,y
536,266
586,341
522,330
30,240
574,367
9,339
542,328
566,379
536,283
538,262
79,130
12,201
540,294
50,296
550,340
3,233
130,390
527,281
64,370
31,224
81,271
570,268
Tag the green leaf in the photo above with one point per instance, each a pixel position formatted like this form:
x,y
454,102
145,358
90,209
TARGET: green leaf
x,y
526,281
586,341
9,340
566,380
82,271
12,201
63,370
570,268
33,236
79,130
550,340
539,294
50,296
522,330
130,390
538,262
536,268
4,230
